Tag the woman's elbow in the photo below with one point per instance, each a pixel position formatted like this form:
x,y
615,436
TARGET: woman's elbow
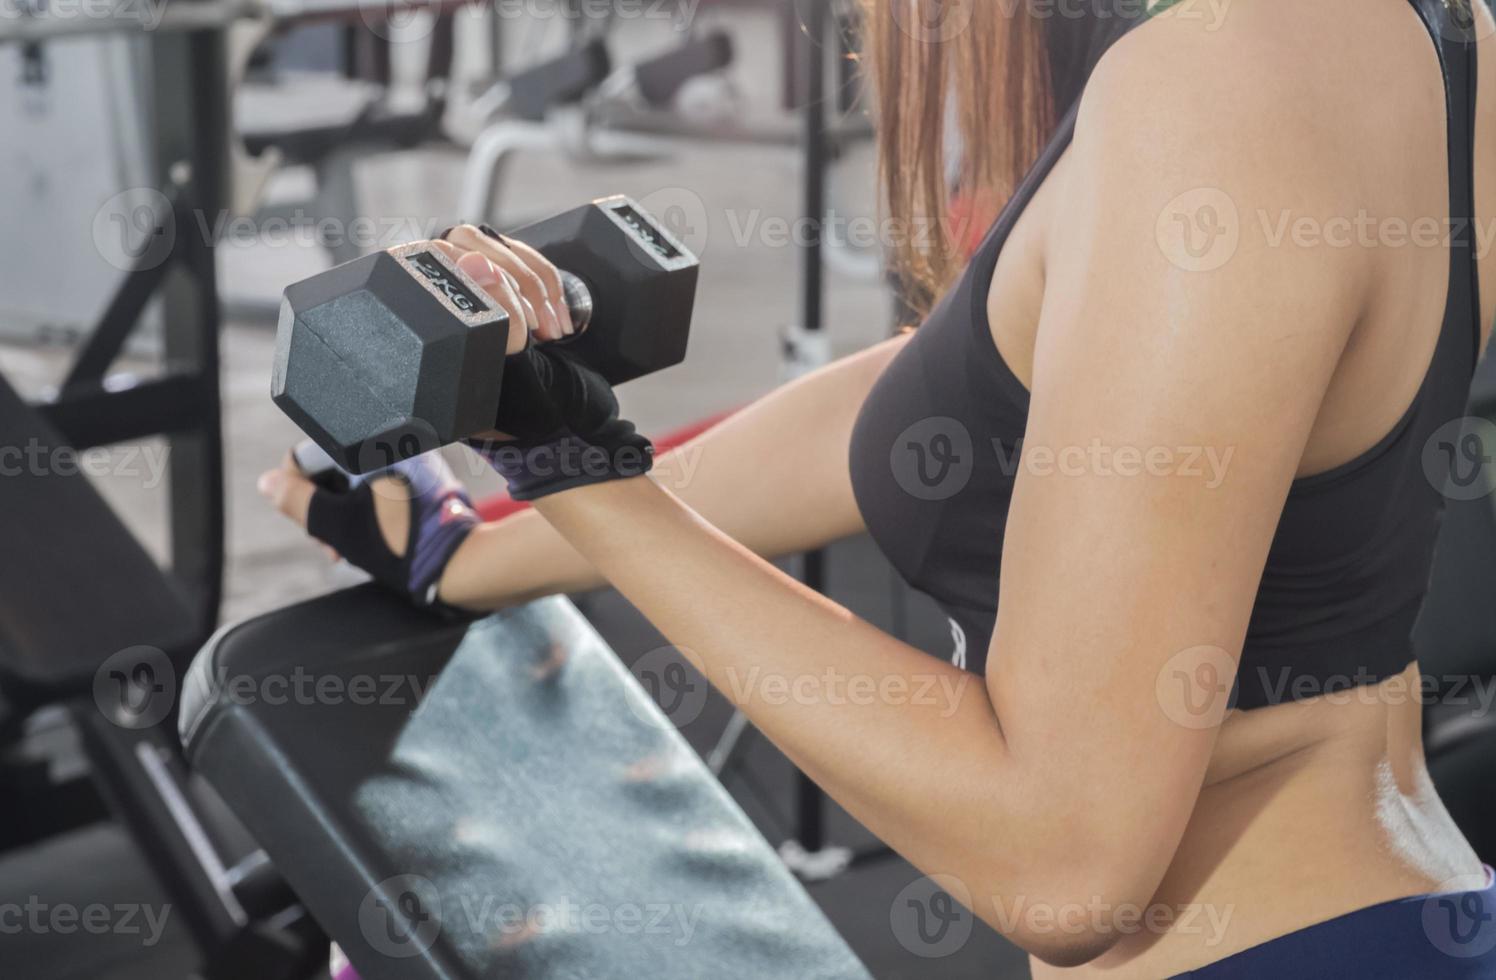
x,y
1069,920
1060,949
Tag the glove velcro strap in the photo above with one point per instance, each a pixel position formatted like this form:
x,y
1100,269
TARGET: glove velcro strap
x,y
533,470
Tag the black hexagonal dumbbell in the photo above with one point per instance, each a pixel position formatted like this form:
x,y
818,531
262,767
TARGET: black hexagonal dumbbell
x,y
399,352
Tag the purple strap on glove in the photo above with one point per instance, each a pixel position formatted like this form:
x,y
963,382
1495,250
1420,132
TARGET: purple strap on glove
x,y
441,518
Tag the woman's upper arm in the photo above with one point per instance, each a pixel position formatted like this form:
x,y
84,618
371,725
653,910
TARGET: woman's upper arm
x,y
774,476
1179,364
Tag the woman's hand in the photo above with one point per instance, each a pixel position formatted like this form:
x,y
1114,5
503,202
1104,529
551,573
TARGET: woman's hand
x,y
289,491
518,278
520,281
403,525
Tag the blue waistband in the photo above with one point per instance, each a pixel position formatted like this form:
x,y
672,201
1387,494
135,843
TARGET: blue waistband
x,y
1443,936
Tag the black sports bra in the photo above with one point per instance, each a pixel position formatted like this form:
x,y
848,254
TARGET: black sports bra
x,y
1349,564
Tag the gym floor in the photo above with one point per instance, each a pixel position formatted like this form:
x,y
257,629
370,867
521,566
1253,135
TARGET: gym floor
x,y
736,201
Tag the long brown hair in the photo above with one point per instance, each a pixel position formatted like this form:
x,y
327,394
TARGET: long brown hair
x,y
988,57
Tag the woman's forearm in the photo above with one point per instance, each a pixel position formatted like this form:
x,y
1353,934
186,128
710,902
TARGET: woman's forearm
x,y
907,743
774,477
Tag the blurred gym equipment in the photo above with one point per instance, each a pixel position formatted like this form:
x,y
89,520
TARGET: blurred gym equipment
x,y
1456,642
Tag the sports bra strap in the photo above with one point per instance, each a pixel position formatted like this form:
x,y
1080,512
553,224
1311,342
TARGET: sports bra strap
x,y
1452,26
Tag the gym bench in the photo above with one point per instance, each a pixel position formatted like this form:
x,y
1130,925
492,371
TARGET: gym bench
x,y
489,799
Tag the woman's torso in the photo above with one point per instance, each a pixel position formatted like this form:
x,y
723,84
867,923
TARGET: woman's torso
x,y
1311,807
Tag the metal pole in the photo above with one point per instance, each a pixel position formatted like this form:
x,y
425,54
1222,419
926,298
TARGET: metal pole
x,y
191,93
811,802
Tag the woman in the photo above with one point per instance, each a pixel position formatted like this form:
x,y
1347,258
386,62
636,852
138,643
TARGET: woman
x,y
1205,319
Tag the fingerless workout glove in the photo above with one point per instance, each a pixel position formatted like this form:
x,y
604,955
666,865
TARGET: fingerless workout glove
x,y
558,427
441,518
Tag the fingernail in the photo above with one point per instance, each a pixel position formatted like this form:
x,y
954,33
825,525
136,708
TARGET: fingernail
x,y
563,317
266,483
532,319
554,321
484,272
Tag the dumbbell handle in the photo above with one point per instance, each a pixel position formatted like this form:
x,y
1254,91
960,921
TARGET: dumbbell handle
x,y
578,300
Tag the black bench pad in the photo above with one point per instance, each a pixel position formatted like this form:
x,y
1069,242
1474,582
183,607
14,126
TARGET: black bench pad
x,y
499,799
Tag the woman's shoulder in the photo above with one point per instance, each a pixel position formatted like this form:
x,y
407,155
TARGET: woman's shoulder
x,y
1278,87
